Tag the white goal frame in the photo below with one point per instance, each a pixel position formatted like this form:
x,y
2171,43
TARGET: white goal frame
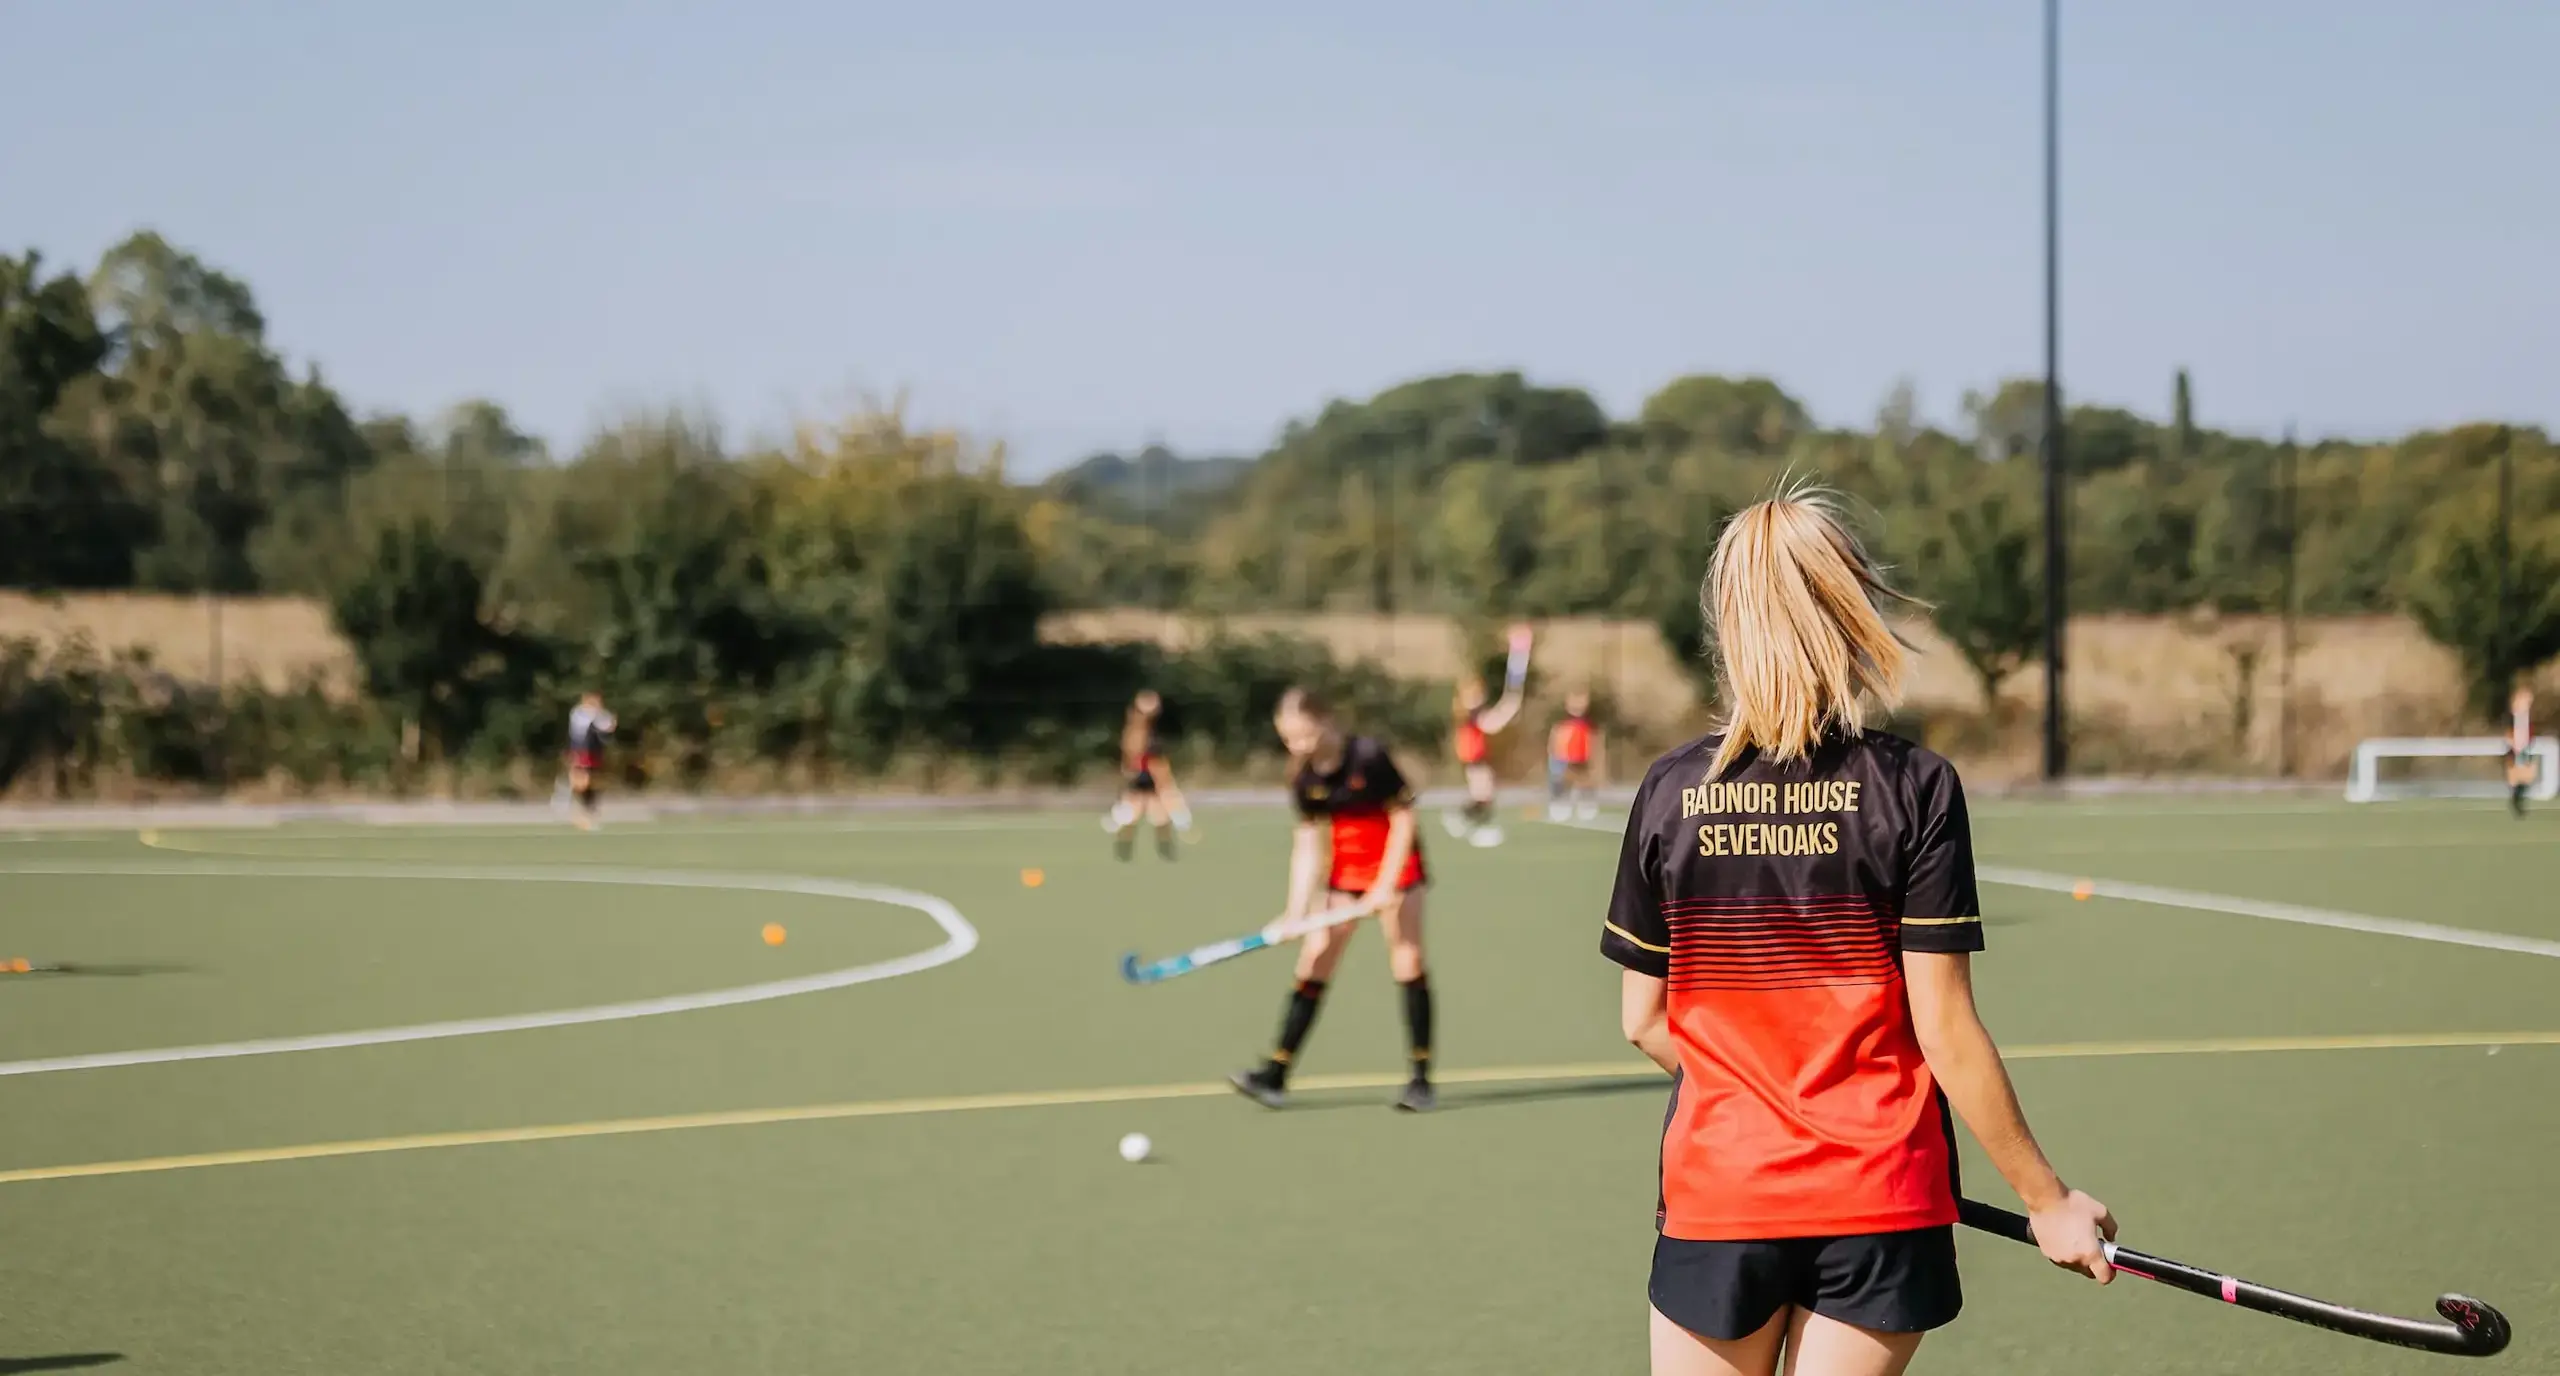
x,y
2364,776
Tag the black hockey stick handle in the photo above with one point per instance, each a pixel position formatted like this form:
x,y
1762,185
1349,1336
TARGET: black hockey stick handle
x,y
2470,1328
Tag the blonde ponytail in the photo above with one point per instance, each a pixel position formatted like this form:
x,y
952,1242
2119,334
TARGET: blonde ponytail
x,y
1790,599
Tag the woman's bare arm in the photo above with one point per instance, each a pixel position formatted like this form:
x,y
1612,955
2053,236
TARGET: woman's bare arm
x,y
1642,1017
1306,858
2069,1225
1167,789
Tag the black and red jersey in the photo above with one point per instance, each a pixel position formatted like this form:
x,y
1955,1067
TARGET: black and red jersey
x,y
1571,740
1776,902
1356,794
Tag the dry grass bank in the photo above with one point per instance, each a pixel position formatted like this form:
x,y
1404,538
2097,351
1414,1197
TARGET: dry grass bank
x,y
274,639
2148,694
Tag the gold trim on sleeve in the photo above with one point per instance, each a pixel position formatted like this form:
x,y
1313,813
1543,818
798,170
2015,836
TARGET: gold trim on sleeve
x,y
1635,940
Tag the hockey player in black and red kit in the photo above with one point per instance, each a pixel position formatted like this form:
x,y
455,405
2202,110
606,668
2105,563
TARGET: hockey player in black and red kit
x,y
1356,838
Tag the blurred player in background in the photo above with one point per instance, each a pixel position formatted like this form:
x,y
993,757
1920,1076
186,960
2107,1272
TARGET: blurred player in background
x,y
590,728
1795,911
1574,761
2519,745
1147,789
1476,725
1353,802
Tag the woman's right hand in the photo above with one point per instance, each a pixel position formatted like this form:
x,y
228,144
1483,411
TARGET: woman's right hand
x,y
2073,1232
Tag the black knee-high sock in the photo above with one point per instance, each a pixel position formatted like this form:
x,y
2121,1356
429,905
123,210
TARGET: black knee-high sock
x,y
1304,1000
1479,810
1417,1022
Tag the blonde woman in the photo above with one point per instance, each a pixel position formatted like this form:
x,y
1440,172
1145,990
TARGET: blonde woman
x,y
1474,724
1795,914
1147,789
590,730
2519,746
1356,835
1575,753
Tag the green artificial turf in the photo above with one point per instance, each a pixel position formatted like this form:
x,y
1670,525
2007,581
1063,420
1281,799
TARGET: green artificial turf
x,y
1508,1233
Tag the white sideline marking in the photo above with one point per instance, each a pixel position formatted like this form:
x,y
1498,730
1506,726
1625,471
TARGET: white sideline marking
x,y
2273,912
959,939
2159,896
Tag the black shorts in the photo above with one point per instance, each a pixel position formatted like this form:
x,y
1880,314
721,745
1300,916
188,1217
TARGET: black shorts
x,y
1139,781
1886,1282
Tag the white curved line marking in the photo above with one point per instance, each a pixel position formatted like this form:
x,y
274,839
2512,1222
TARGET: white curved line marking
x,y
959,939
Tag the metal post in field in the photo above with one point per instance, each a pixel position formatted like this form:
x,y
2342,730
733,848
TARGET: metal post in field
x,y
1384,554
2506,551
2290,495
2056,566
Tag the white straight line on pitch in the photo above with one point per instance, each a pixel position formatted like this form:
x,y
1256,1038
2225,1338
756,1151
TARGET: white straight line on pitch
x,y
2163,897
959,939
2273,912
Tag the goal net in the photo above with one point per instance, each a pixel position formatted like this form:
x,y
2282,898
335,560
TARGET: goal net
x,y
2392,767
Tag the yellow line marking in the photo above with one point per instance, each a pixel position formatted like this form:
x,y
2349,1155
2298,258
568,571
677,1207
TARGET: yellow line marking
x,y
806,1113
1129,1094
2390,1041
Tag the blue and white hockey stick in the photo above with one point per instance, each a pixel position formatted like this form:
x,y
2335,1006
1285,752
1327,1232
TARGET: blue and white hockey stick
x,y
1278,931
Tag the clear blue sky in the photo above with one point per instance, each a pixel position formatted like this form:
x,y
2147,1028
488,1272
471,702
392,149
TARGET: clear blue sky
x,y
1077,226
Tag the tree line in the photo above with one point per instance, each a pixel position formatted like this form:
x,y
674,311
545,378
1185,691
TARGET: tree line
x,y
1489,497
867,590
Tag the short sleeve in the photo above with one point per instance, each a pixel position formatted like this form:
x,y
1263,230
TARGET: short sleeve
x,y
1299,801
1386,782
1634,934
1941,907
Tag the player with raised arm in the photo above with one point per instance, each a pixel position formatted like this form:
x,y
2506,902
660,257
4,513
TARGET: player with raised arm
x,y
1471,739
1147,790
1355,834
1574,762
2519,745
1795,912
590,728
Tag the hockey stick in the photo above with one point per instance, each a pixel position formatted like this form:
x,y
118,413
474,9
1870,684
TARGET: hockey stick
x,y
1273,933
2470,1327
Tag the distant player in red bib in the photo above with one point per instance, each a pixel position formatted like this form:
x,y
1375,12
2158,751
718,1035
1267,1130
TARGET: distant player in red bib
x,y
1147,789
1471,740
590,727
1355,837
1795,913
2519,746
1573,762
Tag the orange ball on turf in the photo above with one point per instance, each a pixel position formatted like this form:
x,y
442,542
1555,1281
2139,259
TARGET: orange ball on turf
x,y
773,934
1032,879
2082,890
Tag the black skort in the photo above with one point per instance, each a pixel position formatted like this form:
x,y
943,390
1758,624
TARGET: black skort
x,y
1886,1282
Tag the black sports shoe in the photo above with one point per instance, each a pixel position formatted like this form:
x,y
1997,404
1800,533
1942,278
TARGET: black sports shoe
x,y
1418,1097
1262,1084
